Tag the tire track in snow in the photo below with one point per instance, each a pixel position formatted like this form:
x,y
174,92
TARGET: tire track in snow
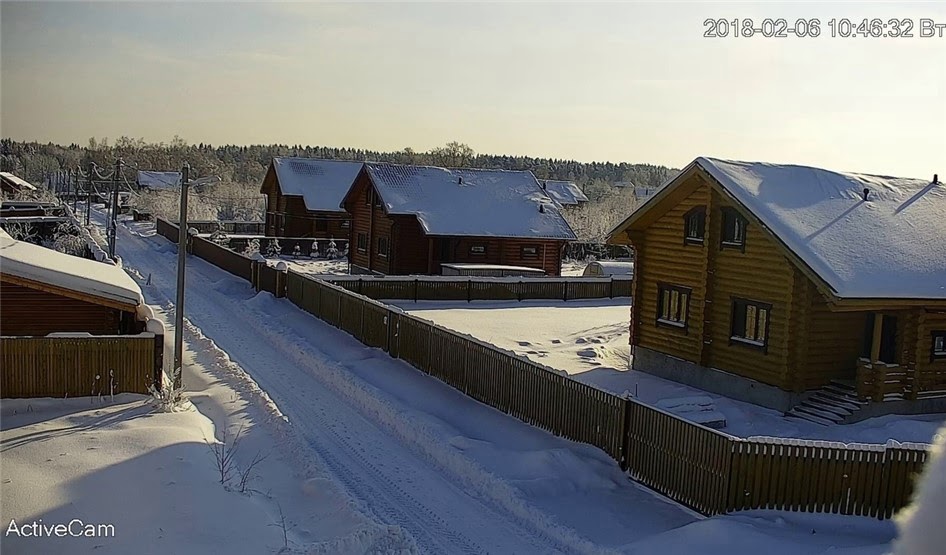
x,y
360,456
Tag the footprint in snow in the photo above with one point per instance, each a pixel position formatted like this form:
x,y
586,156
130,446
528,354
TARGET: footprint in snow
x,y
523,343
556,341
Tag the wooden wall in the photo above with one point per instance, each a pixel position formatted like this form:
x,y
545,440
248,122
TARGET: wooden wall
x,y
28,311
666,259
287,216
931,375
371,221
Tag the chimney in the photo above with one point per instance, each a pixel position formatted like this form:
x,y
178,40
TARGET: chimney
x,y
543,185
935,178
460,180
542,208
866,193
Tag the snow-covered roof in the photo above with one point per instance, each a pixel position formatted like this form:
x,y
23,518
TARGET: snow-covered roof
x,y
17,181
565,193
470,202
35,263
889,246
159,180
321,183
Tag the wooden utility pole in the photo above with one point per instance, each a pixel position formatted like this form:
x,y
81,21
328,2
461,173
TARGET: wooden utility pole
x,y
113,227
179,303
75,187
88,195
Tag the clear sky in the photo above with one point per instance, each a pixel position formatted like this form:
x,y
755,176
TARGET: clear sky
x,y
631,82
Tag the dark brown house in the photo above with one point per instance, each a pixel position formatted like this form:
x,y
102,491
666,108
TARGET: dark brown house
x,y
13,185
303,197
793,287
44,291
412,219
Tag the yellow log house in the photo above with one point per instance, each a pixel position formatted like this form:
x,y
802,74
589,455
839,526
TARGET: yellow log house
x,y
814,292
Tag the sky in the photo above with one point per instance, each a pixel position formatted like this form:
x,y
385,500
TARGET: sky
x,y
635,82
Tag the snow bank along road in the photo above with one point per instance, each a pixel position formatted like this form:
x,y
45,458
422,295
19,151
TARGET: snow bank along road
x,y
458,476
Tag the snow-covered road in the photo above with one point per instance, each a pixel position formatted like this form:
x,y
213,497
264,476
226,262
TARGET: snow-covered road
x,y
397,485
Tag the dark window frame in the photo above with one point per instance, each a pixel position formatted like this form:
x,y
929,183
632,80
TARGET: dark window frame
x,y
361,242
346,224
683,320
730,222
474,252
524,254
698,212
368,195
754,343
383,247
937,356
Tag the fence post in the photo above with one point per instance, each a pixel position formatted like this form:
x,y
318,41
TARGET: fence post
x,y
415,290
360,284
469,290
282,271
565,291
519,292
624,463
611,287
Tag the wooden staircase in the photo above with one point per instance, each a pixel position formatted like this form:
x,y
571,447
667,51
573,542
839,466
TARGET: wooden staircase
x,y
832,404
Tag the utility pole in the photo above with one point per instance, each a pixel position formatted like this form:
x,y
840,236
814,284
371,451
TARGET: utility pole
x,y
113,227
88,195
179,304
75,186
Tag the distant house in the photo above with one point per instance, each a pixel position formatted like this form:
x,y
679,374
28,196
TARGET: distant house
x,y
157,181
412,219
793,287
566,193
13,185
303,197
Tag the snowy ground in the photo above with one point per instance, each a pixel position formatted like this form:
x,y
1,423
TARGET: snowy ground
x,y
589,340
314,266
367,454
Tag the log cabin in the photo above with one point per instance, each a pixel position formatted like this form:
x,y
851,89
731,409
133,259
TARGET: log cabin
x,y
412,219
303,197
818,293
13,185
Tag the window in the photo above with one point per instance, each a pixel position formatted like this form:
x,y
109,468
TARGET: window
x,y
377,199
673,305
734,229
529,251
479,250
346,224
694,223
750,323
362,242
368,196
382,246
939,346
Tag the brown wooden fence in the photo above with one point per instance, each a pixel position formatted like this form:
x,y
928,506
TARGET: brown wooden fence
x,y
483,288
222,257
77,366
707,470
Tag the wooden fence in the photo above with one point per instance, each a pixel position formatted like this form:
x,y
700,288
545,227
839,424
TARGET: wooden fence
x,y
438,288
222,257
77,366
704,469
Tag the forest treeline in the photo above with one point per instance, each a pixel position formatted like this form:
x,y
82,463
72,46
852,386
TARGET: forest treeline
x,y
247,164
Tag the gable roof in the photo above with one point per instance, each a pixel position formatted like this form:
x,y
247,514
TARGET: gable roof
x,y
39,264
470,202
322,184
887,247
159,180
565,193
16,181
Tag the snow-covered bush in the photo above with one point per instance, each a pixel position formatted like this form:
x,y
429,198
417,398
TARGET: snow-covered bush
x,y
296,251
332,250
252,248
314,253
221,238
169,398
273,249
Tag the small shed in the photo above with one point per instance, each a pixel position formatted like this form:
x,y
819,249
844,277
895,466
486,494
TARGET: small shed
x,y
13,185
609,268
